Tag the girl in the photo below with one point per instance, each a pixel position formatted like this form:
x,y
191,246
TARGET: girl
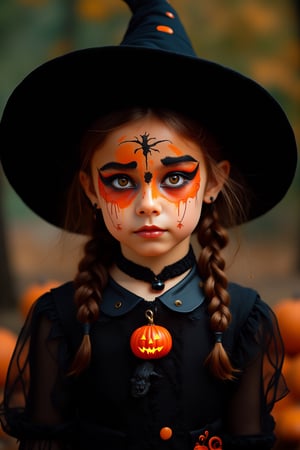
x,y
148,347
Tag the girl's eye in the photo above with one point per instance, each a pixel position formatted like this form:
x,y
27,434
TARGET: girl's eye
x,y
175,180
121,182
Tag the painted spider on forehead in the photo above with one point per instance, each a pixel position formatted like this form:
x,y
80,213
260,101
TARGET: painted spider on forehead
x,y
145,145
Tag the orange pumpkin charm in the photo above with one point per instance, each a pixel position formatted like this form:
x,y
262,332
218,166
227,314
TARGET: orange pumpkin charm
x,y
150,341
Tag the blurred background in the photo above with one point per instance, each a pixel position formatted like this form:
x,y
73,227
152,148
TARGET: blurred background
x,y
260,38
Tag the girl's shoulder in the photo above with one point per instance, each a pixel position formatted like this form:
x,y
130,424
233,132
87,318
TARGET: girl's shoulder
x,y
247,306
59,299
249,312
242,298
58,306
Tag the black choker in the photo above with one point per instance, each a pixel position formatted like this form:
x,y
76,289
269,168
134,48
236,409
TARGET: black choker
x,y
157,281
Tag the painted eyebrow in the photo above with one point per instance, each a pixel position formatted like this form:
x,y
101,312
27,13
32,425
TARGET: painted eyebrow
x,y
170,160
119,166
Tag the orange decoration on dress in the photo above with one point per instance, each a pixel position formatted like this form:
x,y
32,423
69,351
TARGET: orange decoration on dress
x,y
215,442
166,433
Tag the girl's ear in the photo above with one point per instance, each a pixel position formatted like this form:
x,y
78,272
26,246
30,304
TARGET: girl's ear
x,y
215,184
88,187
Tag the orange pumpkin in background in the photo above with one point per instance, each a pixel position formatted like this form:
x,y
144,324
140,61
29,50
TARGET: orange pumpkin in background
x,y
280,406
286,412
8,341
288,424
292,376
287,312
33,292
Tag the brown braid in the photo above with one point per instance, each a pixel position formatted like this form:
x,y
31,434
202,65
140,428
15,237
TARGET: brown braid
x,y
213,238
90,282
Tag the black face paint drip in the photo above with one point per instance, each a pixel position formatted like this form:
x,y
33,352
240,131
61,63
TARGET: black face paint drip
x,y
145,145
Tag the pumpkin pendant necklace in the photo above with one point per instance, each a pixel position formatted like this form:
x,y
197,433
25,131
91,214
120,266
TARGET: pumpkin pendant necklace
x,y
150,341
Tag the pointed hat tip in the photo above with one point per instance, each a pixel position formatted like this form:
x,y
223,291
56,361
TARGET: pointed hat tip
x,y
156,24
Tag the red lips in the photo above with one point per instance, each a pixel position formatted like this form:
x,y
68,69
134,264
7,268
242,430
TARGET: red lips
x,y
150,231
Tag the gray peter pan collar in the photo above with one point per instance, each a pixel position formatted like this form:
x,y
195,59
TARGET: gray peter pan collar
x,y
185,297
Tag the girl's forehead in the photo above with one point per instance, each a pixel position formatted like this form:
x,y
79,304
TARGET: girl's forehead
x,y
149,138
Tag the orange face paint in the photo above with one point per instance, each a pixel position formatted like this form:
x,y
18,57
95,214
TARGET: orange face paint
x,y
146,163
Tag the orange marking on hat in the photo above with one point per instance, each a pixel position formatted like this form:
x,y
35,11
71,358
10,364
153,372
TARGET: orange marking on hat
x,y
170,14
165,29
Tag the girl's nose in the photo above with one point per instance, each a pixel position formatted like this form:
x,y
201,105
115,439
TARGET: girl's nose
x,y
147,203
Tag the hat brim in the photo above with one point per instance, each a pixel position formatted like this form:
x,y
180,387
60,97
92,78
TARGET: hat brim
x,y
48,111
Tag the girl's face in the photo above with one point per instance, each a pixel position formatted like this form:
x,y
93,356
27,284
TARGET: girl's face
x,y
150,184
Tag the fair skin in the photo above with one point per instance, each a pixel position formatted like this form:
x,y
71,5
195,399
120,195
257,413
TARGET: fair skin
x,y
150,184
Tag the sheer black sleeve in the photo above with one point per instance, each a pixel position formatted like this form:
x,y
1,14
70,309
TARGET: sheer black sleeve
x,y
260,351
30,409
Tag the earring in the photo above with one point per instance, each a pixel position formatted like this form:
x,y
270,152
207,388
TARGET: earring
x,y
97,214
210,205
209,200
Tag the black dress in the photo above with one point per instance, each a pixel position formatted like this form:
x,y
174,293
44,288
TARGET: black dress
x,y
122,402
